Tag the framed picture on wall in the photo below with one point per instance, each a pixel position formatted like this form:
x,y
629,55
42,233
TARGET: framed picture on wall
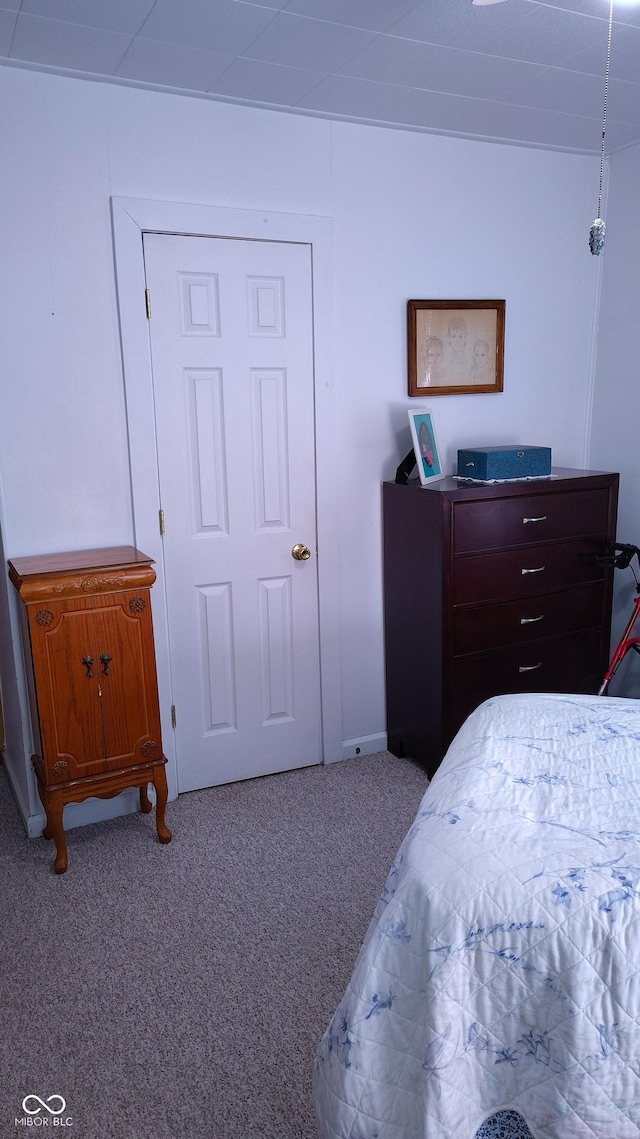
x,y
425,446
455,347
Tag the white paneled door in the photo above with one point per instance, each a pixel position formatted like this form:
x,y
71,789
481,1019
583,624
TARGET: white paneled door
x,y
232,360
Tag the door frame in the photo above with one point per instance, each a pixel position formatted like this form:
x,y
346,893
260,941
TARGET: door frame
x,y
131,218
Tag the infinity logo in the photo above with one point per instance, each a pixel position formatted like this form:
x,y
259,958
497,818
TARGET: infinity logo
x,y
43,1103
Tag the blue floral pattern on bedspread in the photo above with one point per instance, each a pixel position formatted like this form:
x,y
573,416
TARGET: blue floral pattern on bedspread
x,y
504,1125
500,976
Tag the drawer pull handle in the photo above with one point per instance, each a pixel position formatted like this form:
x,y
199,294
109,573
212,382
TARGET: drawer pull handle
x,y
542,518
531,620
530,667
88,664
538,569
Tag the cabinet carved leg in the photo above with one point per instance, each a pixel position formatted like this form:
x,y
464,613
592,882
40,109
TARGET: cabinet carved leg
x,y
46,830
162,794
54,807
145,801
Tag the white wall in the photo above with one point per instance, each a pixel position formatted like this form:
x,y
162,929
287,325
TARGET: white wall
x,y
9,690
616,404
415,216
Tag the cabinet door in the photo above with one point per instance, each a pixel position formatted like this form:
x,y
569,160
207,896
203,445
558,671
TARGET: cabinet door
x,y
127,678
64,662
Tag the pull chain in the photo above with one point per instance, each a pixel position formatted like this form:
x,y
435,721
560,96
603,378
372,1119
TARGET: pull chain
x,y
597,231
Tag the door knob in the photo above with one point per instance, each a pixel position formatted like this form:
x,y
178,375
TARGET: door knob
x,y
300,552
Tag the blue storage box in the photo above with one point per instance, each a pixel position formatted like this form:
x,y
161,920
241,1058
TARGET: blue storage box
x,y
489,463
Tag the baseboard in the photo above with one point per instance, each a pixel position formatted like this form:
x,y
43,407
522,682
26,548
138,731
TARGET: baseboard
x,y
364,745
90,811
17,791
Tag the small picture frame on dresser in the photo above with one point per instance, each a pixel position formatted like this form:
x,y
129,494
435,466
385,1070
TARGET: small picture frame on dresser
x,y
425,446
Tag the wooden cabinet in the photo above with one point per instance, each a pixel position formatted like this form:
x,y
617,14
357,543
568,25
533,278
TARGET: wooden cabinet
x,y
490,589
91,663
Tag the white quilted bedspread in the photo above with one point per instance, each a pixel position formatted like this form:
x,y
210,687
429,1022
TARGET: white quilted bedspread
x,y
502,967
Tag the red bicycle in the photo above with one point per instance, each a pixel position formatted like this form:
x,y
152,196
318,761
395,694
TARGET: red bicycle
x,y
621,557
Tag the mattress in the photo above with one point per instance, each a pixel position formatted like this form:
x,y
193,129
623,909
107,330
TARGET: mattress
x,y
497,993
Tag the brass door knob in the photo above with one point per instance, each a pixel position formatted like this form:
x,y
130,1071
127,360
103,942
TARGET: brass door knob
x,y
300,552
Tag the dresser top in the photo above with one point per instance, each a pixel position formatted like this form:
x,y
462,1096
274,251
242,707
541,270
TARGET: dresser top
x,y
110,558
562,478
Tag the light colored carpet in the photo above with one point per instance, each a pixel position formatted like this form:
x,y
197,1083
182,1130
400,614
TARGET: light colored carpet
x,y
183,989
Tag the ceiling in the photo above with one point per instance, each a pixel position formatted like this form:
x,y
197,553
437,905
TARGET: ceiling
x,y
529,72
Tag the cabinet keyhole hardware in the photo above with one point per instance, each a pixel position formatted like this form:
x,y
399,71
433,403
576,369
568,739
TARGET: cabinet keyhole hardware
x,y
88,663
538,569
542,518
106,660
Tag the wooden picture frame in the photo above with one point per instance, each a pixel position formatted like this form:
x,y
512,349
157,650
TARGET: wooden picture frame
x,y
425,445
455,347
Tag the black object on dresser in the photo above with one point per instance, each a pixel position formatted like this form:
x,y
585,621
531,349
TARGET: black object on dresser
x,y
488,589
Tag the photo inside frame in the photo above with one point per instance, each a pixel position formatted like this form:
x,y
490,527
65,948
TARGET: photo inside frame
x,y
425,446
455,347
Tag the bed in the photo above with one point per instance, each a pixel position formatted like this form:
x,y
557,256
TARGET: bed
x,y
497,993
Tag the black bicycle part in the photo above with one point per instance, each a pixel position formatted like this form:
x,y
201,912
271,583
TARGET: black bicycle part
x,y
619,555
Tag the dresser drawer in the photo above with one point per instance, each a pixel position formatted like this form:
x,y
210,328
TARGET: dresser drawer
x,y
561,664
494,523
522,573
527,619
465,702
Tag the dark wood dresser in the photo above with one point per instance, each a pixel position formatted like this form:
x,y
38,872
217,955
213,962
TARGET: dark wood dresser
x,y
488,589
88,640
